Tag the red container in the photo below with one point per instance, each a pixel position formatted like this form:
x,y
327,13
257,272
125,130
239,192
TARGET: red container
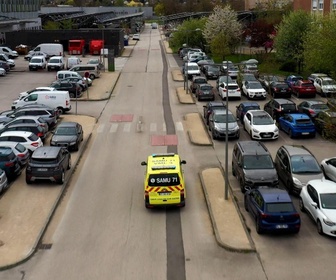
x,y
96,46
76,46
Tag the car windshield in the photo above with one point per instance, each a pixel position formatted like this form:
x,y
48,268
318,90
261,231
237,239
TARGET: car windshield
x,y
206,88
328,200
221,118
54,60
43,161
329,82
258,162
262,120
304,164
255,86
279,207
192,67
320,106
213,68
251,108
288,107
307,85
304,121
35,60
65,131
164,179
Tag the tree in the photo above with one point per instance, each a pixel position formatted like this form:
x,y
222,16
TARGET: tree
x,y
289,41
222,31
319,44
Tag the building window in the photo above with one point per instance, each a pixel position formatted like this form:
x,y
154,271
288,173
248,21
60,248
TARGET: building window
x,y
314,5
320,5
333,7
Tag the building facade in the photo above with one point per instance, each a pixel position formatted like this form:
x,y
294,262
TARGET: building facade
x,y
323,7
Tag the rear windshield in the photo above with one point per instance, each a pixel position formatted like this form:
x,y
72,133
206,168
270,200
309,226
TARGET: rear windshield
x,y
303,121
163,180
54,60
279,207
43,160
6,154
320,106
19,147
307,85
288,107
258,162
33,137
305,164
233,87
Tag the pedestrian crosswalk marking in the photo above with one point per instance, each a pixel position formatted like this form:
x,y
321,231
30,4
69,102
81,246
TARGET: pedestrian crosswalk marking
x,y
152,127
127,127
114,127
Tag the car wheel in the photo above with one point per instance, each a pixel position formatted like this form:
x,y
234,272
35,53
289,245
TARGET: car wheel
x,y
242,185
76,147
69,163
28,181
258,227
92,77
319,227
301,205
62,179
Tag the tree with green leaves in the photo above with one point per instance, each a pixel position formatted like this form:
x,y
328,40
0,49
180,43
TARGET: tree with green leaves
x,y
222,31
319,46
289,40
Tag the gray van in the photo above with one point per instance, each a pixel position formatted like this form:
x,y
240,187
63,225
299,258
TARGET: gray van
x,y
93,70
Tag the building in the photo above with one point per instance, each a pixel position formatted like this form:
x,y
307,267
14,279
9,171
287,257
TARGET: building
x,y
315,6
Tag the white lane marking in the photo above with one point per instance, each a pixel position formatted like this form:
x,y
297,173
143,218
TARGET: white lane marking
x,y
114,127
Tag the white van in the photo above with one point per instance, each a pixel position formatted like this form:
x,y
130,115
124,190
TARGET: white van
x,y
53,99
55,63
92,69
67,74
72,61
49,49
9,52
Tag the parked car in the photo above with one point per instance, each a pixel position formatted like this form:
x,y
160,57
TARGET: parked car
x,y
253,166
84,83
318,198
9,163
250,68
32,54
312,77
37,62
296,165
21,152
280,90
304,88
197,80
211,71
221,121
266,80
26,120
272,209
291,79
253,90
4,65
74,89
136,37
230,90
328,166
245,106
277,107
3,181
27,139
245,77
312,107
325,86
5,58
191,69
260,125
96,61
209,107
31,127
56,63
3,72
68,134
325,123
297,124
48,163
204,92
232,71
223,79
204,63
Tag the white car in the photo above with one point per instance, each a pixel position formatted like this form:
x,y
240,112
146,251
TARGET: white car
x,y
136,37
328,166
2,72
318,198
5,58
25,138
25,93
254,90
231,90
260,125
325,86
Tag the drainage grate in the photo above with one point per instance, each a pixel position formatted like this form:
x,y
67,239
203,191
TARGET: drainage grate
x,y
45,246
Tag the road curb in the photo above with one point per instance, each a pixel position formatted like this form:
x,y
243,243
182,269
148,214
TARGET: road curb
x,y
194,131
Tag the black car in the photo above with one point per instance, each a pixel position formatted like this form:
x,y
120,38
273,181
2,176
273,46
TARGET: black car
x,y
81,81
212,105
205,92
277,107
211,71
9,162
266,80
68,134
280,90
72,87
325,124
48,163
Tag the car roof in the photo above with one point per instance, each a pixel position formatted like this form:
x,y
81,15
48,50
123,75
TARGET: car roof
x,y
323,185
249,103
296,150
283,101
46,152
67,124
24,125
297,116
222,111
16,133
156,163
274,195
258,112
216,103
253,148
314,102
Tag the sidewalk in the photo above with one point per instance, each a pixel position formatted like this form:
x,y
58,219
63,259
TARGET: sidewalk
x,y
22,230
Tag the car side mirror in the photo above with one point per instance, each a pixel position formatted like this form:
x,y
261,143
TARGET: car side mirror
x,y
183,162
143,163
314,204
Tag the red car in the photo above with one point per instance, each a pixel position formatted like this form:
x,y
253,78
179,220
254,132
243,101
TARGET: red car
x,y
304,88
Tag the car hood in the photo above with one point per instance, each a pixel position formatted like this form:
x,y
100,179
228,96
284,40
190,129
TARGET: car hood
x,y
260,175
222,126
252,90
330,213
329,87
265,128
304,178
64,138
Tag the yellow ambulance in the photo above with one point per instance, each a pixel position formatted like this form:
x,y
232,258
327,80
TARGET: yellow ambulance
x,y
164,181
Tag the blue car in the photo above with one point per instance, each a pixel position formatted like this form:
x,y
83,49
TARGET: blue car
x,y
297,124
272,209
243,107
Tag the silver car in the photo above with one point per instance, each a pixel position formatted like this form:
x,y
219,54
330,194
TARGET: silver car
x,y
21,152
3,181
219,121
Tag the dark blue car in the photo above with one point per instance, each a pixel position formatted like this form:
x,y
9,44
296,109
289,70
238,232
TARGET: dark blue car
x,y
291,79
297,124
272,209
243,107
